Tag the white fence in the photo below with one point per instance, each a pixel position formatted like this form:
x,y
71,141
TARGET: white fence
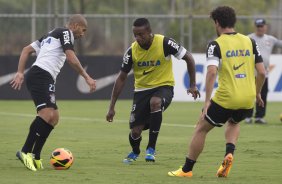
x,y
181,78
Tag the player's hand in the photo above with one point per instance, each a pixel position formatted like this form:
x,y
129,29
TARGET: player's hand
x,y
110,115
17,82
91,83
194,91
259,100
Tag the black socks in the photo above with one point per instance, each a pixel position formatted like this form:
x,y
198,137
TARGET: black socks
x,y
230,148
135,144
38,133
155,125
189,164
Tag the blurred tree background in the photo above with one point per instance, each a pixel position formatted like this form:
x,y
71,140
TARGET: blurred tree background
x,y
109,29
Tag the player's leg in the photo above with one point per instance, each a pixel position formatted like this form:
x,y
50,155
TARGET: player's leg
x,y
138,119
195,148
231,136
216,116
260,111
48,119
155,121
160,100
41,87
135,139
232,132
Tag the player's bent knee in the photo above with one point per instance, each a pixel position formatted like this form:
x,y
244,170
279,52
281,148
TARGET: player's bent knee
x,y
50,116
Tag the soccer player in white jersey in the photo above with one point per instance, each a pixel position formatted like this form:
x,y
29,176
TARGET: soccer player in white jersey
x,y
266,44
52,50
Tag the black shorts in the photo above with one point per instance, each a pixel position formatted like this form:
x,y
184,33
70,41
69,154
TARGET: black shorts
x,y
140,113
218,115
41,87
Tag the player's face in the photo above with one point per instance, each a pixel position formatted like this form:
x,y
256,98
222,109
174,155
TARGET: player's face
x,y
79,31
143,36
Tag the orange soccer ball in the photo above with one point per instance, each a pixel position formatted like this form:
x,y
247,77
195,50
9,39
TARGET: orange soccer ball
x,y
61,159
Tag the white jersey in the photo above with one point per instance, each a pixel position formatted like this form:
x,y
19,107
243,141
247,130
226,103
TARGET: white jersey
x,y
50,50
266,44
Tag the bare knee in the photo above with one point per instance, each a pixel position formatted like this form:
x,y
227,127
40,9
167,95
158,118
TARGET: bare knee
x,y
50,115
136,131
155,104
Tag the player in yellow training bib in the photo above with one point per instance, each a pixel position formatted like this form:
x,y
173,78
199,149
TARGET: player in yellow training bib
x,y
234,57
150,58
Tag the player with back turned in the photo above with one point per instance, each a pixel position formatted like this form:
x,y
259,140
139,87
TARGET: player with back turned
x,y
52,50
150,58
234,57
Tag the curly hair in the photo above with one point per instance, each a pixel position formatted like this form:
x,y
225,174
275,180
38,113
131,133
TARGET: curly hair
x,y
225,16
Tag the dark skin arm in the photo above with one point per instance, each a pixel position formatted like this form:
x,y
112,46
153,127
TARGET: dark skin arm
x,y
188,58
118,86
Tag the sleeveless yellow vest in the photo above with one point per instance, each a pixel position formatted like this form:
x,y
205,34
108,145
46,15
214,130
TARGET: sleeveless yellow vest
x,y
236,72
151,68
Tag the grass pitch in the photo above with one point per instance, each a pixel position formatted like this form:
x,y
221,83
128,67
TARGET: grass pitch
x,y
99,147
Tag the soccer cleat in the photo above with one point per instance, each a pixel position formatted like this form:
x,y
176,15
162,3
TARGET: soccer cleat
x,y
248,120
260,121
131,157
225,167
180,173
150,155
26,159
38,164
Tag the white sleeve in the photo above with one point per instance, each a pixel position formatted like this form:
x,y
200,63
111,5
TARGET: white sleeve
x,y
36,46
180,54
214,62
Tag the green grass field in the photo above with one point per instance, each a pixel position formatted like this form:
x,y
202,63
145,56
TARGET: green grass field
x,y
99,147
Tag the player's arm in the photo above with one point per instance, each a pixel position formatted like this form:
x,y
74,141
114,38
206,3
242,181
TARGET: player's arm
x,y
16,83
213,58
171,47
188,58
261,73
119,83
76,65
118,86
66,40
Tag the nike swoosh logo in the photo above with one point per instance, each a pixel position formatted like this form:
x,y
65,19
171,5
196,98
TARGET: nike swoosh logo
x,y
237,67
8,77
101,83
146,72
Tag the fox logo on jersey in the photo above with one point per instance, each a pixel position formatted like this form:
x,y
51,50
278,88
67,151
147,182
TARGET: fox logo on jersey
x,y
66,37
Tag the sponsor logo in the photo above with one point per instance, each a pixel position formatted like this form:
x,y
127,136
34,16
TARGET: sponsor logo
x,y
237,53
148,63
240,76
173,44
126,58
146,72
66,37
237,67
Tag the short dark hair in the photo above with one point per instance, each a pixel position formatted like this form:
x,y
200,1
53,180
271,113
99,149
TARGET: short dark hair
x,y
225,16
141,22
